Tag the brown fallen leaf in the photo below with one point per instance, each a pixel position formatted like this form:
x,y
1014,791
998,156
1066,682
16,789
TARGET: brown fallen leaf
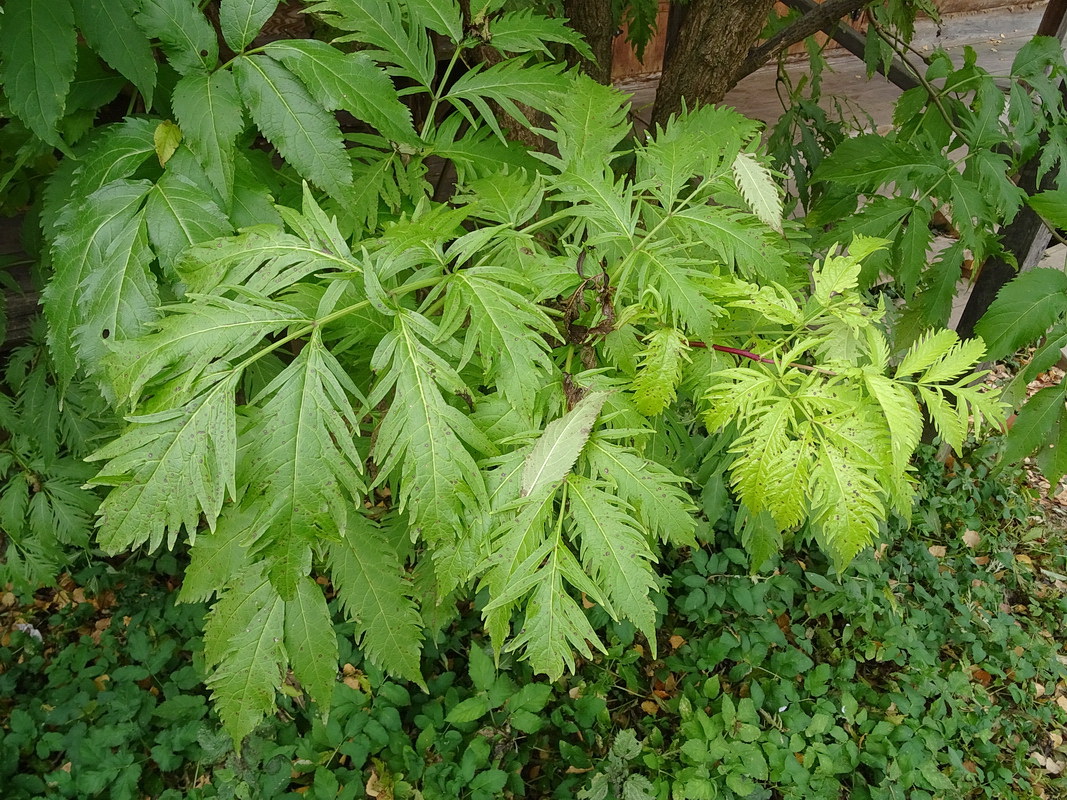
x,y
971,538
676,641
650,707
937,550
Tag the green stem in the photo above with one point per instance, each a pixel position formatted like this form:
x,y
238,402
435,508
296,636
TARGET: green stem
x,y
439,93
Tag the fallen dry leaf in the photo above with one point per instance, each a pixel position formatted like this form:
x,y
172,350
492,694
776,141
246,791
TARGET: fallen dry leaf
x,y
650,707
937,550
1061,701
676,641
971,538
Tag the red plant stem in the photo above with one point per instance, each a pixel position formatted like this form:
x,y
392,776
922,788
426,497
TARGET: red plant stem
x,y
754,357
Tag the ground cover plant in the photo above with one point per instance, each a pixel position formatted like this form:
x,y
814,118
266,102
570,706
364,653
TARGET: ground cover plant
x,y
405,318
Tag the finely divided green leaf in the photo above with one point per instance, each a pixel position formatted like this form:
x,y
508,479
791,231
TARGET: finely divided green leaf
x,y
311,643
665,353
507,83
37,59
759,189
370,583
554,454
168,469
306,134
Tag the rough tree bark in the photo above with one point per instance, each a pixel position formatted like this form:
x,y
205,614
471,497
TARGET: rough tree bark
x,y
713,41
595,20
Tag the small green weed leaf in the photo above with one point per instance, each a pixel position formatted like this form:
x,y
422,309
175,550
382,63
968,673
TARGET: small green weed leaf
x,y
306,135
38,54
552,458
241,20
469,710
311,644
1023,311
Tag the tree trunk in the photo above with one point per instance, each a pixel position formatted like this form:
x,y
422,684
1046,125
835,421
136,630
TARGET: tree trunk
x,y
713,41
596,22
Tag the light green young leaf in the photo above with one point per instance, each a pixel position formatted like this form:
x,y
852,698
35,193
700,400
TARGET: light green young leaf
x,y
217,558
615,552
509,333
299,458
926,351
555,452
108,27
243,643
902,415
311,643
374,593
846,505
88,230
119,296
168,469
759,189
835,275
37,59
590,120
347,81
735,238
306,135
187,37
947,420
961,358
180,214
660,371
209,112
1023,311
241,20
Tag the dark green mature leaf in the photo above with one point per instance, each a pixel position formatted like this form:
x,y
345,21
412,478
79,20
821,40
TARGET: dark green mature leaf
x,y
441,16
169,468
180,214
119,296
108,27
1034,422
376,595
1023,310
1051,205
300,460
381,24
243,644
118,152
870,161
37,59
88,230
558,448
347,81
187,37
217,557
241,20
306,135
311,643
209,112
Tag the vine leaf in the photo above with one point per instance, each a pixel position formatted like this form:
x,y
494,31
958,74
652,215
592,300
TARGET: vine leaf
x,y
241,20
347,81
306,135
558,448
38,53
208,109
168,468
300,459
376,595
